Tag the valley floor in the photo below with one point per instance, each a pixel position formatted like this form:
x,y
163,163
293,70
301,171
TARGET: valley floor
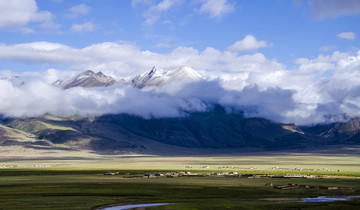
x,y
90,191
77,180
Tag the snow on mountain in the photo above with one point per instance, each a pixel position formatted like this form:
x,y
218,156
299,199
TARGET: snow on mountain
x,y
156,77
86,79
147,77
184,72
151,78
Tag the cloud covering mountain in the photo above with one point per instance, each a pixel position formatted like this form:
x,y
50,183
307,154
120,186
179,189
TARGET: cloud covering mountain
x,y
320,90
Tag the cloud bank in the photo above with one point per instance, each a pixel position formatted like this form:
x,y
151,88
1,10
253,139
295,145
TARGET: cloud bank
x,y
322,89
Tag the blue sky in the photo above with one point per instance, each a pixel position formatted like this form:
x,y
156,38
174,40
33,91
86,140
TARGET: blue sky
x,y
290,60
292,29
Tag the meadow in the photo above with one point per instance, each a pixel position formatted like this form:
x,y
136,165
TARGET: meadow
x,y
80,183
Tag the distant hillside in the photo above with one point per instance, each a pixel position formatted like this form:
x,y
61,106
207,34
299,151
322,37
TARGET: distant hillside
x,y
128,133
337,133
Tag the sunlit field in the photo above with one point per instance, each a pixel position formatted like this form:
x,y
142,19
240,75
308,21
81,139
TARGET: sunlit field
x,y
79,182
273,163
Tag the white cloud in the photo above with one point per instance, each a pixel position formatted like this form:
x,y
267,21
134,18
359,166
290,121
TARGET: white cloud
x,y
318,90
81,9
29,96
334,8
85,27
128,59
17,13
216,8
248,43
346,35
153,14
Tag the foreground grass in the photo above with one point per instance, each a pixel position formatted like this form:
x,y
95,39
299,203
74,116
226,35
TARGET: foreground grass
x,y
93,190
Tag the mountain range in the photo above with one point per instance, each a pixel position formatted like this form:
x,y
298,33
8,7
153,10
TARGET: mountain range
x,y
150,78
86,79
212,129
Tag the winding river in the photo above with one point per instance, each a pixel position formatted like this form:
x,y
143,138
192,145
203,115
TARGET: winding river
x,y
132,206
328,199
304,200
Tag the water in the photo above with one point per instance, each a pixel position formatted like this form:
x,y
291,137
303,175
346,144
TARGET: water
x,y
134,206
304,200
328,199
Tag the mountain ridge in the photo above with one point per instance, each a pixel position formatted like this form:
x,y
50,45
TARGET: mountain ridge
x,y
86,79
150,78
156,77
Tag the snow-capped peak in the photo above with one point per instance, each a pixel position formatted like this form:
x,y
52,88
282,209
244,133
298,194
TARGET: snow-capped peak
x,y
155,77
143,79
86,79
184,72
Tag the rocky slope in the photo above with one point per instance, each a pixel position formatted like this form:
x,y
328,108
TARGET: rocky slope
x,y
86,79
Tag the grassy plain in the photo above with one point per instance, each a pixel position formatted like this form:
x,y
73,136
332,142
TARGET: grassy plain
x,y
77,182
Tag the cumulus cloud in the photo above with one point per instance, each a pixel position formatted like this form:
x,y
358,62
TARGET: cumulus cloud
x,y
217,8
85,27
321,89
81,9
126,59
248,43
17,13
346,35
30,96
334,8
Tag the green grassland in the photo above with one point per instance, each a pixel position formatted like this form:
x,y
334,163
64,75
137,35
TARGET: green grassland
x,y
93,190
78,182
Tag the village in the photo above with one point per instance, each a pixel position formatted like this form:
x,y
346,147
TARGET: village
x,y
214,174
232,174
242,176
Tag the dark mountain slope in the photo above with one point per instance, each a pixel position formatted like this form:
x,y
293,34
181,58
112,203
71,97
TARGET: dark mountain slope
x,y
337,133
214,129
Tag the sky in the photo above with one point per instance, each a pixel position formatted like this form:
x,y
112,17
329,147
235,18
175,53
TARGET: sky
x,y
289,60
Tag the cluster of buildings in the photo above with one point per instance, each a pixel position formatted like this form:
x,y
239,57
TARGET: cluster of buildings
x,y
272,168
297,186
223,174
303,169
